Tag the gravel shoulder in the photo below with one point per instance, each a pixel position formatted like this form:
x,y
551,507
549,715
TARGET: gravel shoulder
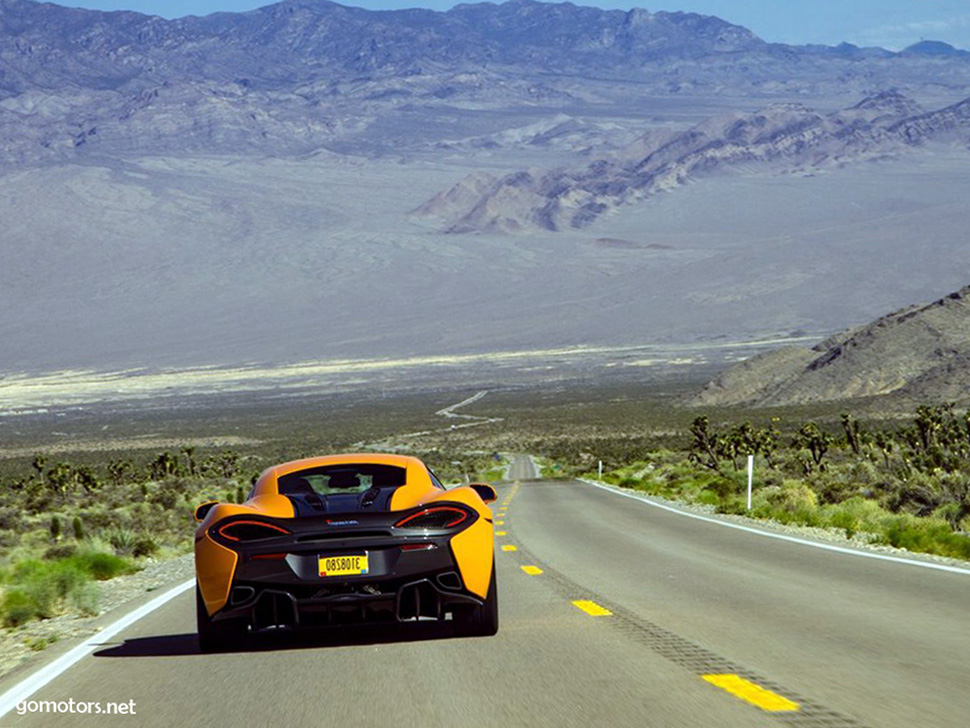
x,y
25,646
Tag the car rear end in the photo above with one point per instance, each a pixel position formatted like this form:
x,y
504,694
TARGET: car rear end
x,y
347,568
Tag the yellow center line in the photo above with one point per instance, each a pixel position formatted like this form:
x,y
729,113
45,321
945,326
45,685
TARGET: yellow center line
x,y
500,523
752,693
501,533
509,547
592,608
532,570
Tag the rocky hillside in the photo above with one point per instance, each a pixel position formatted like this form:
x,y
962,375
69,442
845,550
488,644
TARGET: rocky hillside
x,y
792,137
919,353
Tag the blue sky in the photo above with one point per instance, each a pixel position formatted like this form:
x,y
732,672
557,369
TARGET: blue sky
x,y
888,23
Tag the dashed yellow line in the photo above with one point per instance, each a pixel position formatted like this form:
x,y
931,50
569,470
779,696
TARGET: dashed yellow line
x,y
510,547
511,495
500,523
501,533
531,570
752,693
592,608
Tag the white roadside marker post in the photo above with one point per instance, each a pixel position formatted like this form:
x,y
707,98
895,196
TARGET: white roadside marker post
x,y
601,470
750,477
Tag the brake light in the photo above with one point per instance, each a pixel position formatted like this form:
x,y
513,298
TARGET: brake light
x,y
250,531
437,517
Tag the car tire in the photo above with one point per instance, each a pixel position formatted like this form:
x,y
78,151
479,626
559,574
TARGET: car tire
x,y
218,636
480,621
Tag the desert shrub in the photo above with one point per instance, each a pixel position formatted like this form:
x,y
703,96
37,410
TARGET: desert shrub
x,y
926,535
39,501
17,607
708,498
60,551
918,494
85,599
47,584
36,644
10,519
726,485
791,502
169,493
121,539
865,472
840,518
99,518
144,545
954,514
100,566
733,504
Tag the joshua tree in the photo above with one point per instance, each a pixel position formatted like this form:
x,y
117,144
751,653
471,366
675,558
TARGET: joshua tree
x,y
853,432
189,453
87,478
227,463
816,440
39,463
164,465
60,477
118,469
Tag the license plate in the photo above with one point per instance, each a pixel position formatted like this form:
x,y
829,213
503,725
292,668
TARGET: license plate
x,y
352,565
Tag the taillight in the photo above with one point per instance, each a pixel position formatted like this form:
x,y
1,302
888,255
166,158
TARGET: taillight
x,y
250,531
437,517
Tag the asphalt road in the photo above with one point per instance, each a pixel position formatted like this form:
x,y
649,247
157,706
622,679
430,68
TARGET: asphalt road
x,y
814,638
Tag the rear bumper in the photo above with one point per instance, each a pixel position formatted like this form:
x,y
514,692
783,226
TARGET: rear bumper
x,y
272,607
407,580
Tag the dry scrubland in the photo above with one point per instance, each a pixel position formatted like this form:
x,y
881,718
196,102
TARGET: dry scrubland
x,y
900,478
71,517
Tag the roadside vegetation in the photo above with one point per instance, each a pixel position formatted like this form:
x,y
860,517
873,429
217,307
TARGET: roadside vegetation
x,y
905,485
71,519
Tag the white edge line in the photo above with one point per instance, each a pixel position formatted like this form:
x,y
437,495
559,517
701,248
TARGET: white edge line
x,y
779,536
30,685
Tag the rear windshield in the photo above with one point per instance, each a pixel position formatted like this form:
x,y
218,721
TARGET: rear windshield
x,y
343,478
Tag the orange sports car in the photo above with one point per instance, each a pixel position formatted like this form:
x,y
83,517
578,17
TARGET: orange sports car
x,y
345,539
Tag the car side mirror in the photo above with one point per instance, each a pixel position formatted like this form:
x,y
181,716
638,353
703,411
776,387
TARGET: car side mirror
x,y
485,491
202,510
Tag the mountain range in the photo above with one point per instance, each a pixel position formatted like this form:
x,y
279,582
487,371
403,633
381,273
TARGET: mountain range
x,y
299,75
791,137
280,185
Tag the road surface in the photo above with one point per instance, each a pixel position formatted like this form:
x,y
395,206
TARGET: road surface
x,y
639,617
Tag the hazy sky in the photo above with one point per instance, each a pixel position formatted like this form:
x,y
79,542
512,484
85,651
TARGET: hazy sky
x,y
888,23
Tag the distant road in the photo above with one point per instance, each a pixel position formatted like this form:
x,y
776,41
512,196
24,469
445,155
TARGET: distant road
x,y
698,615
